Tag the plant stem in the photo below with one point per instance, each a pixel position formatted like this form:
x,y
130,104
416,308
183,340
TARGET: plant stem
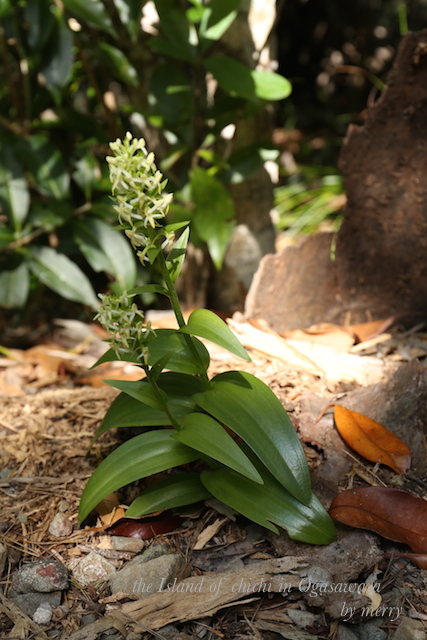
x,y
176,307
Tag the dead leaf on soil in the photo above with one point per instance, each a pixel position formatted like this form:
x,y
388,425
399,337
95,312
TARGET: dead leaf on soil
x,y
394,514
371,440
145,527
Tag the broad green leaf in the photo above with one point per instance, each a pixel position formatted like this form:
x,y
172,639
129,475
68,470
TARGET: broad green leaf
x,y
176,256
137,458
176,107
106,250
14,286
6,236
61,275
47,167
213,213
248,407
50,216
126,411
14,193
130,12
203,433
142,391
270,503
176,29
216,19
57,71
247,160
85,174
117,63
5,8
176,226
206,324
175,491
240,81
39,21
92,12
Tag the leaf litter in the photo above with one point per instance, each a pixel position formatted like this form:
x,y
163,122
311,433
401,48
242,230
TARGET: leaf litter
x,y
48,419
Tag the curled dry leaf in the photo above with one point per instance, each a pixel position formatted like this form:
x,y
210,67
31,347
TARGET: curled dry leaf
x,y
145,527
371,440
394,514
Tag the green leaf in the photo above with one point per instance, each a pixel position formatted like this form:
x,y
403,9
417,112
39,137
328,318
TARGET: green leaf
x,y
176,257
142,391
92,12
106,250
137,458
271,503
149,288
40,21
206,324
248,407
203,433
14,286
216,19
117,63
247,160
130,12
126,411
240,81
47,167
14,193
176,29
61,275
169,341
57,71
172,492
5,8
213,213
176,107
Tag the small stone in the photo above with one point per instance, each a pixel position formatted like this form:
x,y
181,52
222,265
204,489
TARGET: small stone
x,y
144,578
302,619
153,552
93,568
41,576
345,633
121,543
89,618
3,557
63,506
43,614
30,602
22,517
369,631
60,526
409,629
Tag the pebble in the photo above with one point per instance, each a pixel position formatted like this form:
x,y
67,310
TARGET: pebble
x,y
3,558
41,576
302,619
89,618
91,569
121,543
43,614
369,631
60,526
142,578
30,602
344,633
409,629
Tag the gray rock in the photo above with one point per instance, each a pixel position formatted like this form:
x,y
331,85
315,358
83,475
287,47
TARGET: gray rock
x,y
60,526
142,578
89,618
3,557
153,552
369,631
345,633
409,629
120,543
302,619
92,568
43,614
30,602
40,577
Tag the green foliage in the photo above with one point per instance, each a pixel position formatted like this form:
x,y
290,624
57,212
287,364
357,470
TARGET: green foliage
x,y
234,424
79,73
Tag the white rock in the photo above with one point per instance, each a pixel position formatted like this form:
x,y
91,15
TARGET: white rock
x,y
60,526
43,615
91,569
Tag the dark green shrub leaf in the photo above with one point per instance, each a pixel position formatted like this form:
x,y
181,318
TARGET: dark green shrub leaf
x,y
170,95
249,407
137,458
58,70
142,391
176,29
270,503
216,19
213,213
14,286
117,63
93,13
206,324
238,80
106,250
61,275
40,21
149,288
14,193
203,433
46,166
175,491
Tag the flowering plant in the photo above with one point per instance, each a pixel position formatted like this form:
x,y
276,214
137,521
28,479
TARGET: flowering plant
x,y
263,474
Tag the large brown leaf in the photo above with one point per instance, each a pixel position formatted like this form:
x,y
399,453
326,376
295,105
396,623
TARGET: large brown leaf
x,y
371,440
394,514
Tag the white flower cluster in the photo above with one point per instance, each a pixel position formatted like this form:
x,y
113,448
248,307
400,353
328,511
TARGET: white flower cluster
x,y
124,323
138,186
